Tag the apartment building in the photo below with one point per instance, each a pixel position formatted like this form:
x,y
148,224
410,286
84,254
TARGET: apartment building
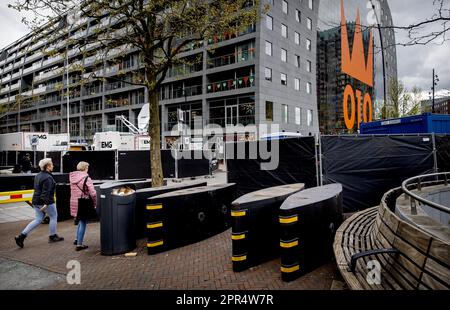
x,y
265,74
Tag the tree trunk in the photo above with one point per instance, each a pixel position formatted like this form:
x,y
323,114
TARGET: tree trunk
x,y
154,132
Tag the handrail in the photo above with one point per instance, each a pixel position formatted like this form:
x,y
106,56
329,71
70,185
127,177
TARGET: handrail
x,y
417,180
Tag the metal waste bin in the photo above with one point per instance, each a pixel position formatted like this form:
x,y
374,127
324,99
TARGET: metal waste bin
x,y
117,233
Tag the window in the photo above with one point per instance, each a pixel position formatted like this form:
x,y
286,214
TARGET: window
x,y
283,55
285,7
309,23
269,22
309,118
269,111
308,66
308,44
268,48
308,88
297,61
284,31
271,2
283,79
297,38
298,116
297,84
268,74
298,16
310,4
284,113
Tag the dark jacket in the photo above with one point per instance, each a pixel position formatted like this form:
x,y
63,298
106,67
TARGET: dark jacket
x,y
44,189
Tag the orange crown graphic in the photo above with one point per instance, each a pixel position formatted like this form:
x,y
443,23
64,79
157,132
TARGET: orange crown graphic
x,y
356,66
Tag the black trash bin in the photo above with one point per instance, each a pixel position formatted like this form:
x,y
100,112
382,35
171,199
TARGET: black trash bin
x,y
117,233
62,193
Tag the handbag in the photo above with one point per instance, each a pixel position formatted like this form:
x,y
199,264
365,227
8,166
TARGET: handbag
x,y
86,209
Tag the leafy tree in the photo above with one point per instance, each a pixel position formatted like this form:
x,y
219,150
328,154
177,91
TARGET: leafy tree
x,y
160,30
402,102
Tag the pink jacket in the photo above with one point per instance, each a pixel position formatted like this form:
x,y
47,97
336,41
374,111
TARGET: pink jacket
x,y
76,179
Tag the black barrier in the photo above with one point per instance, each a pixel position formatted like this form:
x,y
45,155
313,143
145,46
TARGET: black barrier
x,y
101,163
18,182
186,216
443,153
192,164
136,164
62,194
56,159
308,221
297,164
3,159
255,228
369,166
11,158
142,195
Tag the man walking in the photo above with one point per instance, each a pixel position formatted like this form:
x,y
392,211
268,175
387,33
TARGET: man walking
x,y
43,200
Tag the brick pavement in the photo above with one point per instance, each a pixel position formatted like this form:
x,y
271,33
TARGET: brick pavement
x,y
204,265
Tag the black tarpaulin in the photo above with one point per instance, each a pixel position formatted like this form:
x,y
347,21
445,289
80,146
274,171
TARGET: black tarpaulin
x,y
56,159
443,153
136,164
102,164
297,164
369,166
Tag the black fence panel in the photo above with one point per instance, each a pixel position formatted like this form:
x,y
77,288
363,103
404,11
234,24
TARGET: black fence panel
x,y
297,164
136,164
3,158
192,164
443,153
11,158
101,163
369,166
18,182
56,159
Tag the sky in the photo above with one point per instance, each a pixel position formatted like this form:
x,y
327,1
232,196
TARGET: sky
x,y
415,63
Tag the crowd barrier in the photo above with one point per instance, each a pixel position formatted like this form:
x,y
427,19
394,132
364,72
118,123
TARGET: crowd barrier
x,y
182,217
255,228
308,221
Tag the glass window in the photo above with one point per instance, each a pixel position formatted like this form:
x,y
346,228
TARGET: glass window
x,y
283,55
297,61
309,23
297,38
298,116
269,111
308,88
309,119
284,113
285,7
268,48
284,31
269,22
268,74
310,4
298,16
308,44
308,66
297,84
283,79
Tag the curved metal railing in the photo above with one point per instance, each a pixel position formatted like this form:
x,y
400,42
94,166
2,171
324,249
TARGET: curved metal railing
x,y
418,183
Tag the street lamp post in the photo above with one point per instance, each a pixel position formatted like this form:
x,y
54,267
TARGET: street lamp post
x,y
433,88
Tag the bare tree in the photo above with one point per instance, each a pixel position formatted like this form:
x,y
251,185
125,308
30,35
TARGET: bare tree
x,y
160,30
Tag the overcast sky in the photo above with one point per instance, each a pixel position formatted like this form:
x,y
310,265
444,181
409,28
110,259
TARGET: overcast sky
x,y
415,63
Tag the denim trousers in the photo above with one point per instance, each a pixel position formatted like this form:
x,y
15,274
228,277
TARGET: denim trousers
x,y
52,213
81,229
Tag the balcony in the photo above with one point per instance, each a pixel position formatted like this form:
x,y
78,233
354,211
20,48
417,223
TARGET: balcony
x,y
228,36
176,93
185,69
6,78
231,58
34,56
8,68
52,60
4,100
17,74
15,86
48,74
117,103
91,60
92,91
233,84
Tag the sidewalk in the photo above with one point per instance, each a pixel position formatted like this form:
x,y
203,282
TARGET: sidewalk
x,y
204,265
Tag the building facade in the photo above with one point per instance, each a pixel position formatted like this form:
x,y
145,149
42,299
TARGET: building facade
x,y
441,105
265,74
332,81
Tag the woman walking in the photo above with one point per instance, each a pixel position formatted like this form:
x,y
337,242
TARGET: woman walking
x,y
43,201
81,186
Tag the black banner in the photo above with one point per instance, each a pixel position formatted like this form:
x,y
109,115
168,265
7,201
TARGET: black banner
x,y
136,164
297,164
369,166
101,163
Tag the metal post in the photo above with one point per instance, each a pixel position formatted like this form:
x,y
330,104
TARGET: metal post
x,y
432,88
436,168
316,146
68,95
320,160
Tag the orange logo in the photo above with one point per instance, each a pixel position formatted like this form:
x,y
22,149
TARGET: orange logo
x,y
356,65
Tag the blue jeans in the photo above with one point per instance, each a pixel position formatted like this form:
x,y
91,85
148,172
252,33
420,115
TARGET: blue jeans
x,y
52,213
81,229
